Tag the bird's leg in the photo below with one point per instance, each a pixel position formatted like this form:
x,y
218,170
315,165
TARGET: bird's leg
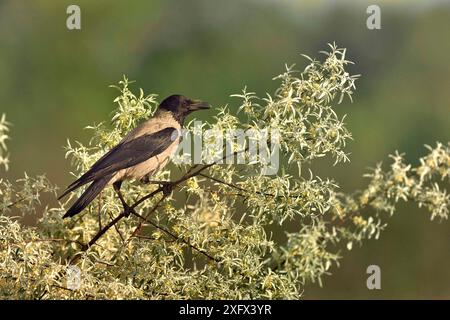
x,y
127,209
145,179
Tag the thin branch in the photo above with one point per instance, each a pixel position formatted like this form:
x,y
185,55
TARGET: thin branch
x,y
117,229
139,227
177,238
241,189
223,182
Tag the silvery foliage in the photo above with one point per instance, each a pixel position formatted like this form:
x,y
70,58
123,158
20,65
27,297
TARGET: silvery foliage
x,y
229,212
4,128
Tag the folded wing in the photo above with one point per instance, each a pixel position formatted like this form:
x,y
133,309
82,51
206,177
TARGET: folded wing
x,y
127,154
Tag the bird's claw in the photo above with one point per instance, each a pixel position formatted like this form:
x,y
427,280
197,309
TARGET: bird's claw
x,y
145,179
127,210
167,188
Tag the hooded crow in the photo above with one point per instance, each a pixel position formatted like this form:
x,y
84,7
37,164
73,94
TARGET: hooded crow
x,y
142,152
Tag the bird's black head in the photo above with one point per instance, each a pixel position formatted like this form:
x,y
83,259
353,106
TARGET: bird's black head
x,y
181,106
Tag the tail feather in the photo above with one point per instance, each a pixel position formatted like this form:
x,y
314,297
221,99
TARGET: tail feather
x,y
69,190
88,196
75,185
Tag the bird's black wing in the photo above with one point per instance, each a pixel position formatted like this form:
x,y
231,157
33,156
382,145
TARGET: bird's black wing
x,y
127,154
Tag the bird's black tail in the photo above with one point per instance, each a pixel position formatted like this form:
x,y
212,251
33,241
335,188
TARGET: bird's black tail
x,y
91,192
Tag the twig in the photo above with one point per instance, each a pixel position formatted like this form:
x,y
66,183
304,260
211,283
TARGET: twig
x,y
222,182
139,227
117,229
241,189
177,238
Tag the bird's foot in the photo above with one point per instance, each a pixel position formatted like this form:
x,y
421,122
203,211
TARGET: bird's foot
x,y
145,179
127,210
167,188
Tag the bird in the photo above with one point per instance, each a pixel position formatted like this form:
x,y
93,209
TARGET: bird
x,y
139,155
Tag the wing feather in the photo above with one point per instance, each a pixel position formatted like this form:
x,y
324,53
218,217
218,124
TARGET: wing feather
x,y
127,154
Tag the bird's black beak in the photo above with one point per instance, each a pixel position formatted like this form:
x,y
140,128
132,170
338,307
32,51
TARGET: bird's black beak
x,y
198,105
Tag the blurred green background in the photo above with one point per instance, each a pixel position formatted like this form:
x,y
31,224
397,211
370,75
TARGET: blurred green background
x,y
54,81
